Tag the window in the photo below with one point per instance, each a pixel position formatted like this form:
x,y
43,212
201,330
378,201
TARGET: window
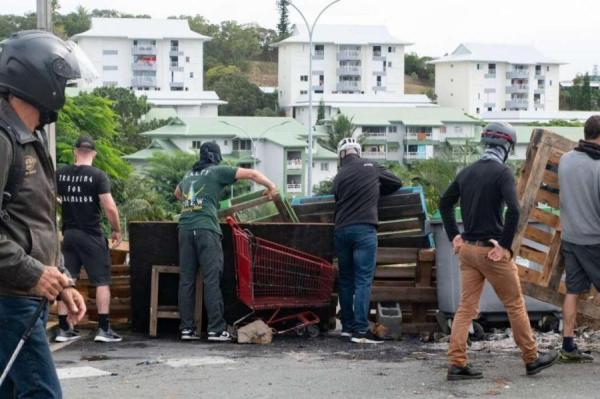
x,y
490,109
550,83
110,52
110,67
304,78
196,144
225,143
191,74
187,59
478,67
477,110
458,129
378,81
391,49
135,42
443,129
319,47
547,69
303,92
174,61
174,43
390,64
242,145
393,129
324,166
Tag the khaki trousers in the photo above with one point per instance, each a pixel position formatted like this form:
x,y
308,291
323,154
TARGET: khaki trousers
x,y
476,267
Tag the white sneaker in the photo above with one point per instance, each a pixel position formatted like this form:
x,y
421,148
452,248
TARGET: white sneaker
x,y
107,336
223,336
67,335
346,334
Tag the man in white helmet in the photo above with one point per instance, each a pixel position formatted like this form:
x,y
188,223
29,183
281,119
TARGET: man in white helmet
x,y
357,188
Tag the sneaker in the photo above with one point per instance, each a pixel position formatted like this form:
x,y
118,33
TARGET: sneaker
x,y
107,336
223,336
346,334
575,356
366,338
189,334
67,335
543,361
457,373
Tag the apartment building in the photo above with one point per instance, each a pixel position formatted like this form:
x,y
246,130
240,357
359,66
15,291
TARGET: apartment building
x,y
275,146
480,78
405,134
351,64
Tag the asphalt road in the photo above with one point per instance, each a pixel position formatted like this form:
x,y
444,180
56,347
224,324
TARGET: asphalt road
x,y
294,367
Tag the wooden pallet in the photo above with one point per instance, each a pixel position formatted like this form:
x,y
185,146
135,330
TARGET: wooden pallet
x,y
540,245
244,208
405,263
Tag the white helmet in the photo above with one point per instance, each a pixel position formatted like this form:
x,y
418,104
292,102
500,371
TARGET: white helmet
x,y
346,144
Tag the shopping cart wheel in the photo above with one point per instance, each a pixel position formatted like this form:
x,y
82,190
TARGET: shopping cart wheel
x,y
311,331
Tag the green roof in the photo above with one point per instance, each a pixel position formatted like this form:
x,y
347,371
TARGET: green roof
x,y
409,116
158,113
286,132
323,153
572,133
157,145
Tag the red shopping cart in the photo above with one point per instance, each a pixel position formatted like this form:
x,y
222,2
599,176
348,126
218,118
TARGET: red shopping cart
x,y
273,277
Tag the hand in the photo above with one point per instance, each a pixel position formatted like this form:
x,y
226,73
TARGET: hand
x,y
271,192
75,304
498,253
116,239
51,283
457,243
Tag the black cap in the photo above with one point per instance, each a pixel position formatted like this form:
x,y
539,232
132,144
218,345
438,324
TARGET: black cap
x,y
85,142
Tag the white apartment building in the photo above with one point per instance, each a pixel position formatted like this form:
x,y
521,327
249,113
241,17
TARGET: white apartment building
x,y
351,64
480,78
160,58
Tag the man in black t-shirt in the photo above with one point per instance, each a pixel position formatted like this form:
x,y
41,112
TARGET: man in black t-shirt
x,y
84,191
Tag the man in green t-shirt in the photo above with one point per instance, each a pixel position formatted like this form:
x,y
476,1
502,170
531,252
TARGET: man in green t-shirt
x,y
200,238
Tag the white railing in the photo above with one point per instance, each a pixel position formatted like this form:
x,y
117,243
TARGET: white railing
x,y
348,85
294,164
517,74
517,104
517,89
415,155
319,55
349,70
348,55
374,155
144,66
143,82
375,134
144,50
294,188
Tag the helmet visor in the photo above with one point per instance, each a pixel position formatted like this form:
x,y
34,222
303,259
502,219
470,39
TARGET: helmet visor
x,y
75,67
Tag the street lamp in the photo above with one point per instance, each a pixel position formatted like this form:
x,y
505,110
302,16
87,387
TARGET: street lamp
x,y
310,28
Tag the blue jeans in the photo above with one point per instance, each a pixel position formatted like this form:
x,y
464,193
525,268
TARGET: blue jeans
x,y
33,374
356,248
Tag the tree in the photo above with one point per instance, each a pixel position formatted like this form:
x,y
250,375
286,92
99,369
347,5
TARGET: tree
x,y
321,112
283,26
13,23
342,127
243,97
92,115
217,72
413,64
129,109
76,22
586,94
325,187
165,172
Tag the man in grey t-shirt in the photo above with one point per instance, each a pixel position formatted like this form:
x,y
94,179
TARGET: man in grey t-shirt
x,y
579,179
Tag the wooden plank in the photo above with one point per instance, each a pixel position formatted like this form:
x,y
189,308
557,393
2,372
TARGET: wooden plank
x,y
551,178
417,241
400,225
534,234
558,142
424,269
400,199
396,272
532,254
317,218
154,301
391,255
546,197
394,283
314,208
545,217
551,258
528,198
412,294
400,211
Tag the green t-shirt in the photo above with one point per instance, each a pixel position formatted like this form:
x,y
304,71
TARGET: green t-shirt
x,y
201,192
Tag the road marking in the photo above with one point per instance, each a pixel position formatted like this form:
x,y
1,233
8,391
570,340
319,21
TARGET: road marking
x,y
66,373
198,361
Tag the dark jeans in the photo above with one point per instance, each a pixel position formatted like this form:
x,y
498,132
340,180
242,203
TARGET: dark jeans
x,y
33,374
201,249
356,248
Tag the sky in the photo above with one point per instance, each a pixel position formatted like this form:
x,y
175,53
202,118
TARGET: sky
x,y
567,31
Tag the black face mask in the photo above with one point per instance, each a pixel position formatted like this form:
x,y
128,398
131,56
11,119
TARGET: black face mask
x,y
47,117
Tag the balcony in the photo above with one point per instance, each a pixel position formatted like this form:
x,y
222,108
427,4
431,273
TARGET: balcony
x,y
176,85
539,90
375,134
348,55
379,73
490,75
143,81
349,70
414,155
174,51
242,153
517,104
319,88
175,67
523,89
378,88
143,66
540,75
143,50
374,155
294,188
420,136
348,85
318,55
518,74
378,56
294,164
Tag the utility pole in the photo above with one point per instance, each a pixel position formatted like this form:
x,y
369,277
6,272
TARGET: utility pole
x,y
44,22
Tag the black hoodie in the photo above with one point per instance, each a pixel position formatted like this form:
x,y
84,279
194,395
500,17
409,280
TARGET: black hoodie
x,y
357,188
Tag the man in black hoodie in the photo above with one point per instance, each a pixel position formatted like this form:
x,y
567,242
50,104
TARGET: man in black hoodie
x,y
357,188
200,237
484,250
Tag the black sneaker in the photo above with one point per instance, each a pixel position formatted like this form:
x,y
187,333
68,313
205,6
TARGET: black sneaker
x,y
223,336
457,373
366,338
575,356
107,336
67,335
189,334
543,361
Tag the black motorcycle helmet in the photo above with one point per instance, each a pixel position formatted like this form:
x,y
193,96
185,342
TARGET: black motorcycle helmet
x,y
500,134
36,66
